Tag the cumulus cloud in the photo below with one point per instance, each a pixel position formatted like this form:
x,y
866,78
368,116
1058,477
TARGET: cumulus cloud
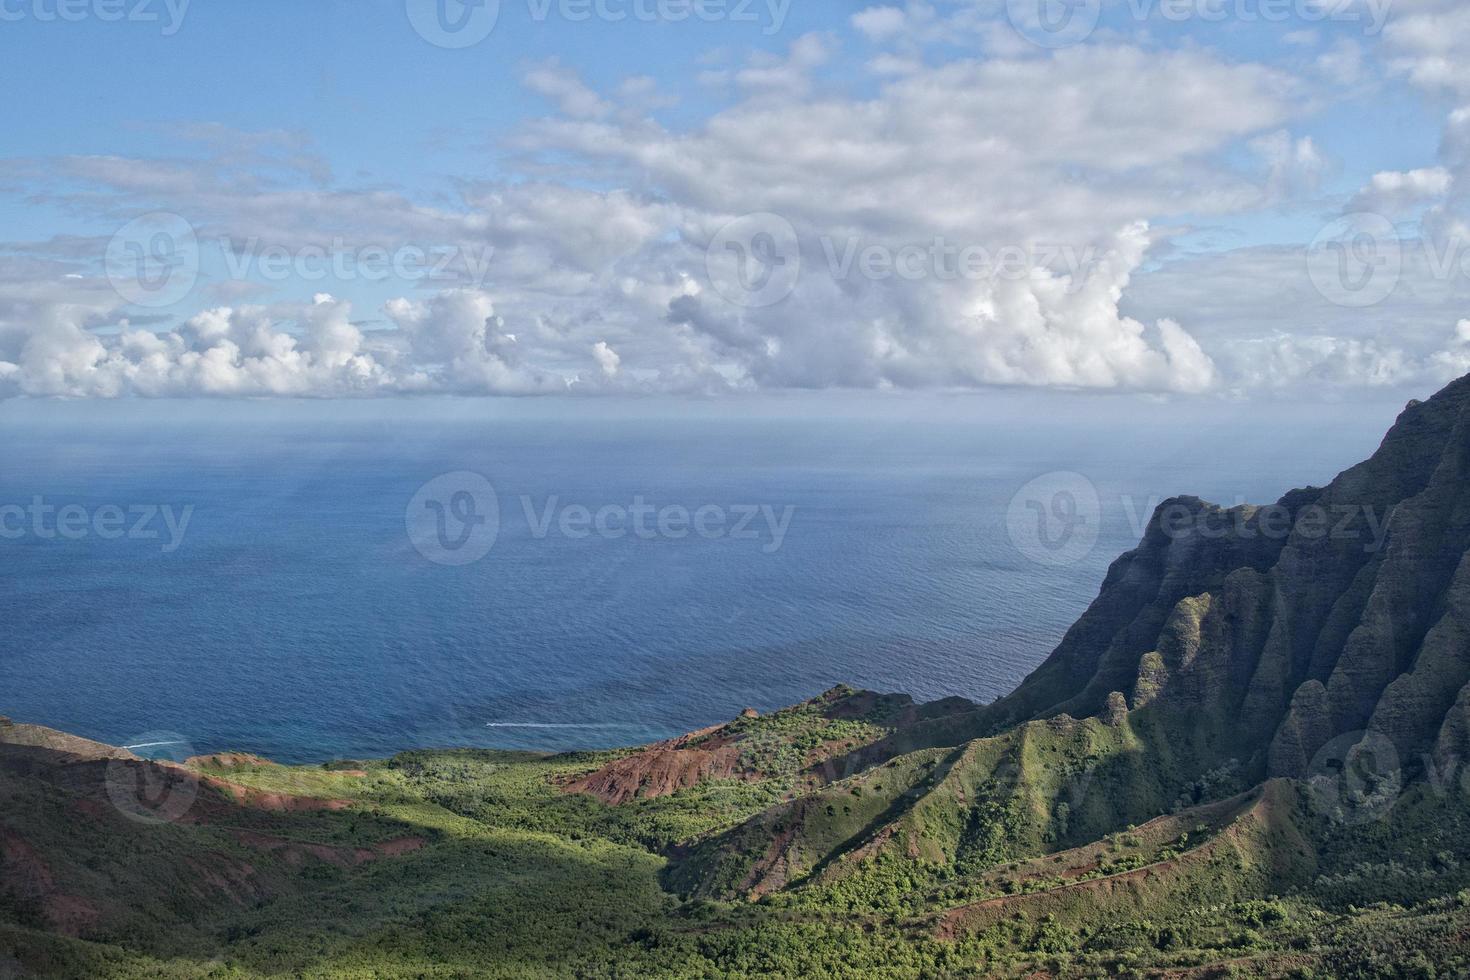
x,y
563,86
453,342
1257,310
879,23
1295,166
586,268
783,76
863,174
607,358
1429,42
1266,324
1392,192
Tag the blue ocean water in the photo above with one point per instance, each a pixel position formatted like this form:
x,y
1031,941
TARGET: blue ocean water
x,y
297,619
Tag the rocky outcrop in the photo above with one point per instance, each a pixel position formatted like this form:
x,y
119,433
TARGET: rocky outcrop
x,y
1337,610
665,768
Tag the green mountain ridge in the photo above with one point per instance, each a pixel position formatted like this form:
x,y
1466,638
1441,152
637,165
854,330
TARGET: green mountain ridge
x,y
1245,758
1247,644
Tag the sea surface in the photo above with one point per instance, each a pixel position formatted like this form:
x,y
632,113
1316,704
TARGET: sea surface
x,y
297,613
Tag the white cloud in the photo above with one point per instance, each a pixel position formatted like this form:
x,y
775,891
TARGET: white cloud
x,y
453,342
1392,192
1295,166
599,278
1342,64
784,76
1429,42
879,23
1258,313
566,89
607,358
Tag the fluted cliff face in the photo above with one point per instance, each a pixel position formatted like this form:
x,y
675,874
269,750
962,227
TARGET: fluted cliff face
x,y
1276,630
1232,646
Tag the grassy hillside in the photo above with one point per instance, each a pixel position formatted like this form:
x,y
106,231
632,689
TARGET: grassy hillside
x,y
459,864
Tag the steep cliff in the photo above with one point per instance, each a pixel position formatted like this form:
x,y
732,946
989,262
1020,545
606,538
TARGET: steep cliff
x,y
1324,633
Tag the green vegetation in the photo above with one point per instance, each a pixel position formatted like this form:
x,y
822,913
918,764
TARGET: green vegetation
x,y
517,878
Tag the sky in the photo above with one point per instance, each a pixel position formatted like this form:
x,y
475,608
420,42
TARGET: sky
x,y
1233,198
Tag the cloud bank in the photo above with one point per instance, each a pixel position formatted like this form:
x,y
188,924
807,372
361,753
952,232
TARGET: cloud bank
x,y
1000,218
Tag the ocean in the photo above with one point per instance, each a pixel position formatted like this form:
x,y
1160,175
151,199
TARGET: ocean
x,y
312,581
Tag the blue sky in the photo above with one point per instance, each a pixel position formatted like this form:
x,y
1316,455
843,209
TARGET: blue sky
x,y
604,192
346,73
